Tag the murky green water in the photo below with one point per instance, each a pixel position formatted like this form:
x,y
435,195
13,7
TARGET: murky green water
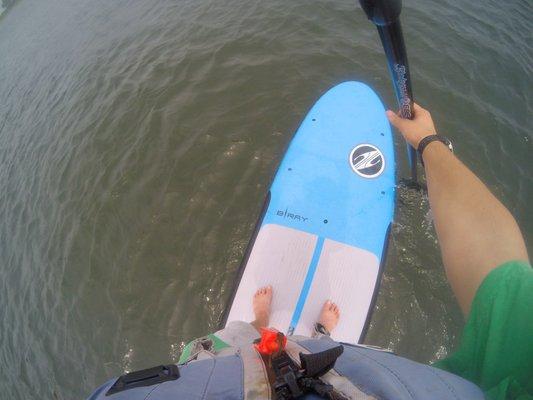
x,y
138,139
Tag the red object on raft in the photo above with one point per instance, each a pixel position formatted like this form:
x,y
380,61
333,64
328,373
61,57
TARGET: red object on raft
x,y
272,341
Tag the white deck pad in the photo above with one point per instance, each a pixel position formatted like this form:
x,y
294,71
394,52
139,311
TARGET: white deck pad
x,y
347,276
280,257
283,257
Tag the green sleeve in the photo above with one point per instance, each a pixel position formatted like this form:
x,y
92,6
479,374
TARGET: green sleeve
x,y
496,350
218,344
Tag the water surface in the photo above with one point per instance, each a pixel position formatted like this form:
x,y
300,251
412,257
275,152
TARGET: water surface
x,y
138,140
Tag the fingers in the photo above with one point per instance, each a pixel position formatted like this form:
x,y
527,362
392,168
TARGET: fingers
x,y
402,124
417,108
397,121
416,129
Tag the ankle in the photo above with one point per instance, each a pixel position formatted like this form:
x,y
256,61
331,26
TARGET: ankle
x,y
262,317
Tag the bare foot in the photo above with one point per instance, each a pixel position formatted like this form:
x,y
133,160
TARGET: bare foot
x,y
261,305
329,316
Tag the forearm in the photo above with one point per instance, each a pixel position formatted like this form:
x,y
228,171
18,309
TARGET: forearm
x,y
476,232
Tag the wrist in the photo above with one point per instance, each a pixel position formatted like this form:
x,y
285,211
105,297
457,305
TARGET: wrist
x,y
431,147
416,142
434,150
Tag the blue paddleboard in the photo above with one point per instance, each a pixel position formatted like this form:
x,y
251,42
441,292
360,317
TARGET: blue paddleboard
x,y
324,229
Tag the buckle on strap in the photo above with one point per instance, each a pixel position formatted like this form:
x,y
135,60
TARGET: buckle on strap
x,y
290,381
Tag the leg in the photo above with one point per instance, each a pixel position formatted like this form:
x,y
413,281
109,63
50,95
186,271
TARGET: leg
x,y
261,305
328,319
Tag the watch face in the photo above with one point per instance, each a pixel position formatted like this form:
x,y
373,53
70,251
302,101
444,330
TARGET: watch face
x,y
448,143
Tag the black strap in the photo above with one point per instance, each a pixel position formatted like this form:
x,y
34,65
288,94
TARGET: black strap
x,y
291,382
319,328
145,377
432,138
317,364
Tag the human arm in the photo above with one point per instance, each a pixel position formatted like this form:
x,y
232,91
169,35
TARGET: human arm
x,y
476,232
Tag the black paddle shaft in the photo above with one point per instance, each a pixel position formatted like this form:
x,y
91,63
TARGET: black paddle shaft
x,y
385,14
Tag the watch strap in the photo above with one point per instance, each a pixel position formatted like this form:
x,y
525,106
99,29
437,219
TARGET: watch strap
x,y
432,138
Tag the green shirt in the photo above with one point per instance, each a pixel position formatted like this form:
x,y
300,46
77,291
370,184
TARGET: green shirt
x,y
496,350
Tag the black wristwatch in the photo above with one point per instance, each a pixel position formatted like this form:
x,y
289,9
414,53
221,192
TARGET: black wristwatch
x,y
431,138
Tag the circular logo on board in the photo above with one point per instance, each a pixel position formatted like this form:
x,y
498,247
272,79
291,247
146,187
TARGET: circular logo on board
x,y
367,161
